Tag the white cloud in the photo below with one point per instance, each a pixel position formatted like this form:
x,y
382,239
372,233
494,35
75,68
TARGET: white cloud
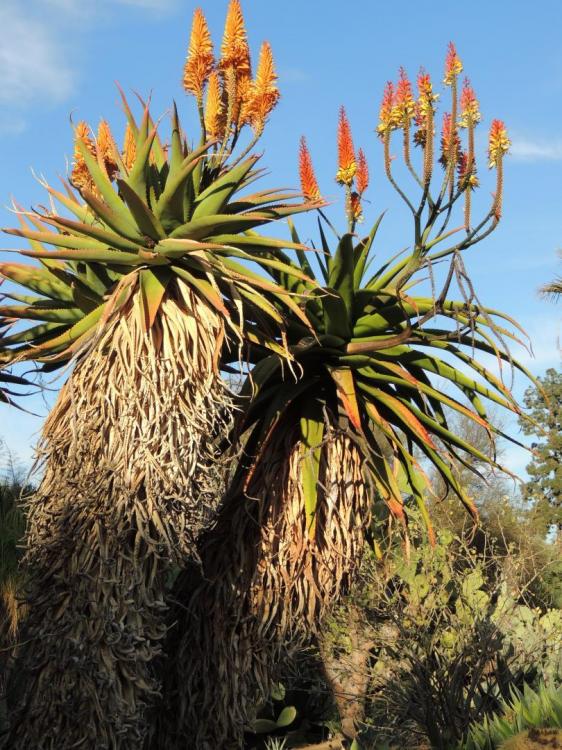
x,y
527,149
31,61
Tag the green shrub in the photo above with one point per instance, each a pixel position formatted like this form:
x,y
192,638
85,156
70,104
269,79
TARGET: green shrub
x,y
454,632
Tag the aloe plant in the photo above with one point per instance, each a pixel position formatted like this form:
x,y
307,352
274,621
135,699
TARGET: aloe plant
x,y
346,424
140,279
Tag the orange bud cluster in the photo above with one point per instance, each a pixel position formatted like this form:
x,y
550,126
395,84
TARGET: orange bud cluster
x,y
362,176
200,60
498,143
470,109
215,114
453,65
107,150
386,120
129,148
309,184
80,175
263,93
235,51
347,164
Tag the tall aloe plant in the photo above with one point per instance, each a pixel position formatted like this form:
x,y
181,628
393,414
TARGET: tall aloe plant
x,y
142,284
366,398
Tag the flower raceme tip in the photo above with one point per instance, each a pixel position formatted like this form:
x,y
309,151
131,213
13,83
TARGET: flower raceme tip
x,y
309,184
453,65
347,164
200,60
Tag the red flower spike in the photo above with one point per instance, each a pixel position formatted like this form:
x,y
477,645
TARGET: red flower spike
x,y
309,184
453,65
470,109
347,165
362,177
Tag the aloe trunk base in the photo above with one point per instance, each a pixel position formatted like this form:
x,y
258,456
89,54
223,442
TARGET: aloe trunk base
x,y
126,489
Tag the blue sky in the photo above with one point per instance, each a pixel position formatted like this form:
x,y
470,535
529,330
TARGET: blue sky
x,y
61,57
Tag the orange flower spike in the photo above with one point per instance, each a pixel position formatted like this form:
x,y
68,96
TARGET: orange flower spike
x,y
453,65
235,52
404,106
129,148
347,165
386,110
264,93
362,177
309,184
106,149
215,116
425,114
498,143
200,59
426,97
80,175
470,109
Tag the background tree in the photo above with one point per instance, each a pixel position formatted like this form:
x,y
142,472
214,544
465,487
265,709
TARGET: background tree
x,y
544,489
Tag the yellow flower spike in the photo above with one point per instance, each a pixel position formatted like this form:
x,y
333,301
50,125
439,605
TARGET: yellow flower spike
x,y
403,112
243,98
106,149
498,146
425,115
80,175
200,59
470,109
235,52
404,106
309,184
386,110
215,115
362,176
498,143
263,94
453,65
129,149
347,165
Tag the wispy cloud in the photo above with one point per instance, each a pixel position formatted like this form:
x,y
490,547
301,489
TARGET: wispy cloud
x,y
527,149
38,67
33,66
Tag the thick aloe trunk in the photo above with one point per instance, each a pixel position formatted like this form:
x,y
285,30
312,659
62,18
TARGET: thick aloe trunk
x,y
266,581
126,487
